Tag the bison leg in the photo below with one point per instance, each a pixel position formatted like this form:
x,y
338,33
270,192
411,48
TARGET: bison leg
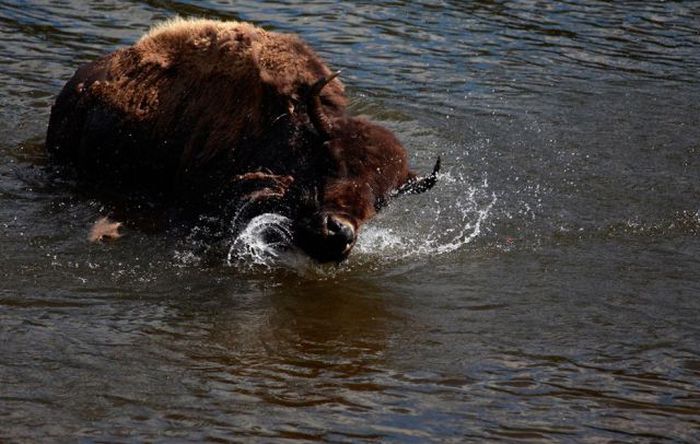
x,y
104,229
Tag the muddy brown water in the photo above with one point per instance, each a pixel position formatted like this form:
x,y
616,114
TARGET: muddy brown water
x,y
548,289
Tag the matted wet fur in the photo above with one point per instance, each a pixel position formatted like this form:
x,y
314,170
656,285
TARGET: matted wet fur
x,y
206,113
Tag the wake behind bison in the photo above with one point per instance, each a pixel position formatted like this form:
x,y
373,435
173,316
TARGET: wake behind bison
x,y
208,115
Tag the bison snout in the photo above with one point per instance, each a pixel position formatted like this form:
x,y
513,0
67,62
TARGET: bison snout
x,y
341,232
326,237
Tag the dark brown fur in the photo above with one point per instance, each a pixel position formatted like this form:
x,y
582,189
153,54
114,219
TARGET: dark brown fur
x,y
206,111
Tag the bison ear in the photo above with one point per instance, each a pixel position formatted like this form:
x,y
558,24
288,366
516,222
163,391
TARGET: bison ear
x,y
419,185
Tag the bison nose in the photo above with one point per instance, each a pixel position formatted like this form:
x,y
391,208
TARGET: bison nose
x,y
340,230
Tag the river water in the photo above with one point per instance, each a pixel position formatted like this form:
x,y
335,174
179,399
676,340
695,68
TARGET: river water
x,y
548,288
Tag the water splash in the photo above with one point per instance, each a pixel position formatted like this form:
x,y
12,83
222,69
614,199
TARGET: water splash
x,y
262,240
453,224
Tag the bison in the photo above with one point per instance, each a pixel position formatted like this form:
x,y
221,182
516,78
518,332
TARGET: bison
x,y
206,114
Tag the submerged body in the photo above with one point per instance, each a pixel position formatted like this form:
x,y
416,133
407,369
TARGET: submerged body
x,y
209,113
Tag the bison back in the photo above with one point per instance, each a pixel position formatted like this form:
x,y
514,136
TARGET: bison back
x,y
191,104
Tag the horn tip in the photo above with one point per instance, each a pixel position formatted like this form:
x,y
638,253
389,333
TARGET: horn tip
x,y
438,164
333,75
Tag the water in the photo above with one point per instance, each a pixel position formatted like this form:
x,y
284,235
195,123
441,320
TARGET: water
x,y
548,288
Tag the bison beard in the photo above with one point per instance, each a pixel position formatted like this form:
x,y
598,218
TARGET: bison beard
x,y
208,114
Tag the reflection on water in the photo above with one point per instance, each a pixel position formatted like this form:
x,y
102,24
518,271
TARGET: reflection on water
x,y
546,290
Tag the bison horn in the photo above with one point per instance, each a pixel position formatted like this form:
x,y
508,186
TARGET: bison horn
x,y
319,119
422,184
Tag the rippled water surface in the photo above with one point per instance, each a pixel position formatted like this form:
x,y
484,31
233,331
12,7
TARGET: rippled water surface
x,y
548,289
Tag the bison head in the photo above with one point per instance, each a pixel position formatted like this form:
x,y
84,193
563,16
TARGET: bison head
x,y
363,166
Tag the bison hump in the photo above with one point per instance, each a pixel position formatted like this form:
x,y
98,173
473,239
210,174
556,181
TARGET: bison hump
x,y
238,50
